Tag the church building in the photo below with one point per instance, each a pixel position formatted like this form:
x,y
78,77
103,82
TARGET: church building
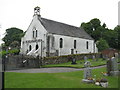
x,y
46,38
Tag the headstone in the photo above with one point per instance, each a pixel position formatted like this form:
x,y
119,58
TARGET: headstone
x,y
105,57
85,58
73,60
87,70
112,67
87,73
116,56
93,57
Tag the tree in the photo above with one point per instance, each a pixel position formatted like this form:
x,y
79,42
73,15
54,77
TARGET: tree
x,y
95,23
13,34
117,32
97,31
102,44
87,27
15,44
94,28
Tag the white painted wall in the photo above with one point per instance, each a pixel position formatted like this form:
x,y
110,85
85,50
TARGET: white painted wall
x,y
29,36
68,44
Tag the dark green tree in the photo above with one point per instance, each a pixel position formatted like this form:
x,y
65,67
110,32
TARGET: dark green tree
x,y
95,23
13,34
87,27
102,44
117,33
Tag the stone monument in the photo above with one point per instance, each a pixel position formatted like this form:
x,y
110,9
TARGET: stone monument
x,y
87,73
73,60
85,58
93,57
87,70
112,67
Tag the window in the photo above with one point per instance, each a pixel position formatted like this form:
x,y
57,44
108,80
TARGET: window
x,y
53,40
72,51
37,47
36,33
87,44
61,43
33,34
30,48
75,44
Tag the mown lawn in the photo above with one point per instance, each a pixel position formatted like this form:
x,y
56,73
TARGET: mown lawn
x,y
55,80
80,63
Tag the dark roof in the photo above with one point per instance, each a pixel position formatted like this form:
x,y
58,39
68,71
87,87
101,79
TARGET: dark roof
x,y
64,29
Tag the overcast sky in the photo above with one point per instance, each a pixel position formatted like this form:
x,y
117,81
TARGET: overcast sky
x,y
19,13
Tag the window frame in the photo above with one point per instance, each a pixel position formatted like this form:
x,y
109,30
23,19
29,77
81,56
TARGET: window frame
x,y
61,43
87,45
75,44
30,47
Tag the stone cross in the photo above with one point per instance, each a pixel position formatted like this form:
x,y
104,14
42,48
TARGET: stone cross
x,y
87,70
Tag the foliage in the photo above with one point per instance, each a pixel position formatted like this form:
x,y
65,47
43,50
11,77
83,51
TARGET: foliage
x,y
117,30
55,80
13,35
97,31
102,44
13,51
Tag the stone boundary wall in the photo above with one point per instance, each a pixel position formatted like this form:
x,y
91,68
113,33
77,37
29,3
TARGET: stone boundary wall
x,y
22,61
67,58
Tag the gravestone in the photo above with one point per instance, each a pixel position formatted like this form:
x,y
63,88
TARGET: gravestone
x,y
116,56
93,57
87,73
87,70
73,60
112,67
85,58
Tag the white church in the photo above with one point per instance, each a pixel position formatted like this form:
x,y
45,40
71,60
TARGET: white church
x,y
46,38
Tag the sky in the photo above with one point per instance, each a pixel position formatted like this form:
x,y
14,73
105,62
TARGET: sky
x,y
19,13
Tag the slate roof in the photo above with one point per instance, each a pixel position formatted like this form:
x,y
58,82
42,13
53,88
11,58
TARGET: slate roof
x,y
58,28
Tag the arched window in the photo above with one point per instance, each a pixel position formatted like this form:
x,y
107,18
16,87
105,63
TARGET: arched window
x,y
87,44
74,43
36,47
61,43
30,48
35,32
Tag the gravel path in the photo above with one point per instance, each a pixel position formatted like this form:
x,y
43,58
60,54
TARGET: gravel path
x,y
51,70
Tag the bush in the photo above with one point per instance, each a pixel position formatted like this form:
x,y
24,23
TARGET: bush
x,y
14,51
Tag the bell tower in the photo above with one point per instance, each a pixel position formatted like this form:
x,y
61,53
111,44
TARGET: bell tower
x,y
37,11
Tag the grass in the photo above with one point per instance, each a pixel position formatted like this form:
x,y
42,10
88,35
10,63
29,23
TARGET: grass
x,y
55,80
78,65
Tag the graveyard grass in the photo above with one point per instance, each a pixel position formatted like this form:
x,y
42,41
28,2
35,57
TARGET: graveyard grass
x,y
78,65
55,80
